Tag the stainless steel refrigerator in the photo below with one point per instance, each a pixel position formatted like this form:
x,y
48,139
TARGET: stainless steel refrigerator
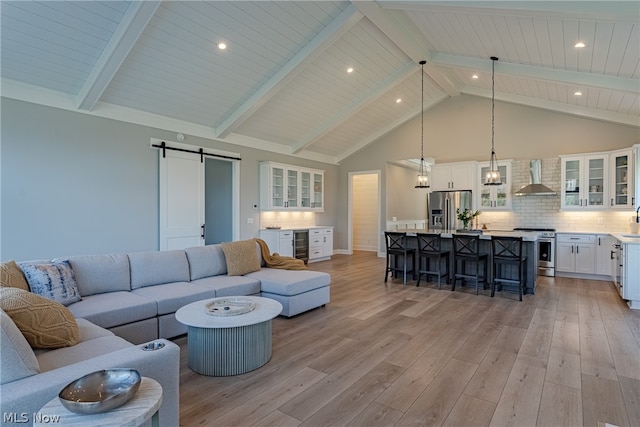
x,y
442,208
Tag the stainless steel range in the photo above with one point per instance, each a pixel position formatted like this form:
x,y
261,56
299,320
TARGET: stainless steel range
x,y
546,250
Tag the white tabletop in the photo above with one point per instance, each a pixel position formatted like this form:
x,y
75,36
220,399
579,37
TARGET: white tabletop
x,y
194,314
142,406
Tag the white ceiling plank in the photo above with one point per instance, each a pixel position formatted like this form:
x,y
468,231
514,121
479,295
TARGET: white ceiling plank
x,y
591,113
332,32
399,28
352,149
540,73
356,106
124,38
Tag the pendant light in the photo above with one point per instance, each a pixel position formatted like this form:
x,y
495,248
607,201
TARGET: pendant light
x,y
423,177
493,174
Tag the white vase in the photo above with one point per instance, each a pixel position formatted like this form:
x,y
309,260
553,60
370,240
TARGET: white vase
x,y
635,227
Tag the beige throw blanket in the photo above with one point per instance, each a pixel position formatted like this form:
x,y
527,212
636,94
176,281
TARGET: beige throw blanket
x,y
279,261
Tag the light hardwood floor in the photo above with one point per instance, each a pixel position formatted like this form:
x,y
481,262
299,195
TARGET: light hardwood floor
x,y
394,355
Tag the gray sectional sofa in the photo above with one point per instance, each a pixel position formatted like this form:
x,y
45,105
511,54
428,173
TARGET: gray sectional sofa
x,y
131,299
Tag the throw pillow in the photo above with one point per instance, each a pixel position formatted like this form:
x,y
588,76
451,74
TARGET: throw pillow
x,y
17,358
44,323
54,280
241,257
11,276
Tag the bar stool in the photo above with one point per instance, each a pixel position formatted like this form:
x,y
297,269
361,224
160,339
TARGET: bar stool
x,y
397,248
430,251
466,248
507,251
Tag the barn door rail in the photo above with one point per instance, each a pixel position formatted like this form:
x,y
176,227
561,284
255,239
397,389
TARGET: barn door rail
x,y
164,147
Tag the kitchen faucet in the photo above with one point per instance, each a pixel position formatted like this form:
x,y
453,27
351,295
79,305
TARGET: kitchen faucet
x,y
638,215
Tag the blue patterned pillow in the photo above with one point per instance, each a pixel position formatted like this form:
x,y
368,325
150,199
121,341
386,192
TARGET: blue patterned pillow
x,y
54,280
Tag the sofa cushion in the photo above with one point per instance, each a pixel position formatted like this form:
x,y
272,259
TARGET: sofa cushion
x,y
171,296
290,282
156,268
97,274
85,350
227,286
44,323
241,257
53,280
17,359
206,261
11,276
114,308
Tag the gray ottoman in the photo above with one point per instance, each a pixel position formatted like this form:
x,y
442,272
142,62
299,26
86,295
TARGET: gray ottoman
x,y
297,290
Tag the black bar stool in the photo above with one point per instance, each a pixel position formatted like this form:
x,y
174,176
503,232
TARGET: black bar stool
x,y
430,251
466,248
506,252
397,248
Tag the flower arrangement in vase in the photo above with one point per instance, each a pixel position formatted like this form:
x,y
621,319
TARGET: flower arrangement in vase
x,y
466,216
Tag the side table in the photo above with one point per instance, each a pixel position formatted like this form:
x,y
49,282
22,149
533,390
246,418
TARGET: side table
x,y
142,406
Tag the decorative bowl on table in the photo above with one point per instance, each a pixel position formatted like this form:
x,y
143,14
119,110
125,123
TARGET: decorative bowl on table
x,y
229,306
100,391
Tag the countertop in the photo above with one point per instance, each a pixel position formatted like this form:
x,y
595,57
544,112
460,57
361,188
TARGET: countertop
x,y
296,228
633,239
527,236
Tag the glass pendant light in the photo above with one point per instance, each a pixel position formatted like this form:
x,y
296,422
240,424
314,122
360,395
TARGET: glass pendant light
x,y
493,174
423,176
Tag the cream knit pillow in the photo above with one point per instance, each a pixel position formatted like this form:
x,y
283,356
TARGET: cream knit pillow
x,y
241,257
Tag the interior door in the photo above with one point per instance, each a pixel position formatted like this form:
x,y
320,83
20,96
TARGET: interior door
x,y
181,200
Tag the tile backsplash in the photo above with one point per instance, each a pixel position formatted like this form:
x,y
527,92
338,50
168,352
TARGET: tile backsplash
x,y
544,211
287,219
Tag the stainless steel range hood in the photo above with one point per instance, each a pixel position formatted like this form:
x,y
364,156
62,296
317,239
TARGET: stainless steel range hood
x,y
536,188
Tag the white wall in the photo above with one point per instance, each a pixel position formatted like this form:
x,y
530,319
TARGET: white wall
x,y
365,193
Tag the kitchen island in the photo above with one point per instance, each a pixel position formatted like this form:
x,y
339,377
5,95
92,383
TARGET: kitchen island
x,y
529,249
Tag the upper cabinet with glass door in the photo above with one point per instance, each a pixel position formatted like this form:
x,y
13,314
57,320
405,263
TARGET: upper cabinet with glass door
x,y
286,187
585,182
622,179
494,197
311,189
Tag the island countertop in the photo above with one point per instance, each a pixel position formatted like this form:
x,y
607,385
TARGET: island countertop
x,y
527,236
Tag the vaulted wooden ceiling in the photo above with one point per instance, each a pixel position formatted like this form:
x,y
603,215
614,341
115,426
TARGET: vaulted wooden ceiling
x,y
282,83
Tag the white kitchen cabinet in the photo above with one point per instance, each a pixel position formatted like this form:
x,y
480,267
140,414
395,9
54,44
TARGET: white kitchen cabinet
x,y
287,187
585,182
630,274
311,189
575,253
320,244
327,242
279,241
494,197
452,176
605,261
622,178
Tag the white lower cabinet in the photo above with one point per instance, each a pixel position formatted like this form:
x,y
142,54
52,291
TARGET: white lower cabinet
x,y
605,259
575,253
279,241
320,244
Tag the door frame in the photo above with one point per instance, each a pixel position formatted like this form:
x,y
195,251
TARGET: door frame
x,y
378,173
235,178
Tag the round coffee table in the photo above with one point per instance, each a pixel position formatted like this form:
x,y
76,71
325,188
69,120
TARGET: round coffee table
x,y
221,345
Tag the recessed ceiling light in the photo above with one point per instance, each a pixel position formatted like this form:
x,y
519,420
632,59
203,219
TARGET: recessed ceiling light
x,y
350,70
222,46
398,101
579,44
577,93
475,76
